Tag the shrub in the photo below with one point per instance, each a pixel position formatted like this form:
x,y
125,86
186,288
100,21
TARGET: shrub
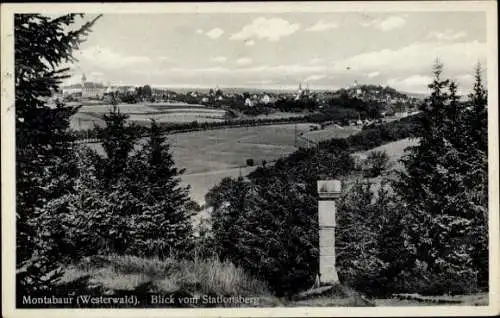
x,y
375,163
250,162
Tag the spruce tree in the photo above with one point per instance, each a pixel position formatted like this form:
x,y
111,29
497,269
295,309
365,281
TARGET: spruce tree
x,y
163,222
476,119
118,139
434,189
44,168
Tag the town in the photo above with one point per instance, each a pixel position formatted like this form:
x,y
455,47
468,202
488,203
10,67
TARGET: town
x,y
385,101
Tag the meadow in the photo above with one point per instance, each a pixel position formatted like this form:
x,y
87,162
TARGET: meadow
x,y
211,155
90,115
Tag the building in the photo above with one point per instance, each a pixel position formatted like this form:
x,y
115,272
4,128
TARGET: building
x,y
92,90
265,99
302,93
85,90
249,102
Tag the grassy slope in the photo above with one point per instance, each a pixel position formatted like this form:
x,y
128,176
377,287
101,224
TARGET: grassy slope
x,y
119,275
127,275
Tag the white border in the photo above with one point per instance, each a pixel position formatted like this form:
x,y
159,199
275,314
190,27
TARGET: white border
x,y
8,153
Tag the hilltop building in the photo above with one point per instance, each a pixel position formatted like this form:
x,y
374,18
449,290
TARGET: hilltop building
x,y
87,90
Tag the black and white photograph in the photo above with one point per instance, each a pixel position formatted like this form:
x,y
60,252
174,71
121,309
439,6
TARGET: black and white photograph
x,y
250,159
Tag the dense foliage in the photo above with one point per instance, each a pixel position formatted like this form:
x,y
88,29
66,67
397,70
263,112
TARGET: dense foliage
x,y
77,202
44,169
446,220
276,242
129,200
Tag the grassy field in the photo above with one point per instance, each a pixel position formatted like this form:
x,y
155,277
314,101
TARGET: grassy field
x,y
195,279
181,279
209,156
90,115
395,150
331,132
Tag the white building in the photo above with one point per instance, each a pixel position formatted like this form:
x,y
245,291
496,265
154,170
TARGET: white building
x,y
248,102
88,90
265,99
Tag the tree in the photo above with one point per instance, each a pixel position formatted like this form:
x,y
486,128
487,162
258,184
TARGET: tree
x,y
163,222
91,221
118,139
270,230
146,92
375,163
476,145
434,187
228,201
43,147
360,219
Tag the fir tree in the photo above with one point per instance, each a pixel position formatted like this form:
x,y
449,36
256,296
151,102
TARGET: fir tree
x,y
476,119
357,238
118,140
44,168
436,194
163,223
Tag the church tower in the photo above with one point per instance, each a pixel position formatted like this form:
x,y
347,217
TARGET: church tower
x,y
84,79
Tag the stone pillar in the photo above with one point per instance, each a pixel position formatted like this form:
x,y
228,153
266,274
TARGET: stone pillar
x,y
328,191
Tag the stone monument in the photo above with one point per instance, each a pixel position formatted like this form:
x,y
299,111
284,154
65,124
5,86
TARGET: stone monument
x,y
328,191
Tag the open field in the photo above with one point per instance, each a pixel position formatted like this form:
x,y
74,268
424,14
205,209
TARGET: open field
x,y
395,150
90,115
331,132
211,155
201,182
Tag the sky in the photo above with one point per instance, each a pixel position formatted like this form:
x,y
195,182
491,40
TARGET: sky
x,y
280,50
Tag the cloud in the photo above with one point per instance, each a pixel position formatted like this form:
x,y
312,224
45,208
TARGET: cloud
x,y
271,29
447,35
271,70
387,24
415,83
313,78
196,71
244,61
249,42
322,26
417,58
95,77
391,23
165,59
219,59
315,60
215,33
261,82
373,74
107,59
199,31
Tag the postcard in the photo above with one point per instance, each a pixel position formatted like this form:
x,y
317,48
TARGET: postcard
x,y
250,159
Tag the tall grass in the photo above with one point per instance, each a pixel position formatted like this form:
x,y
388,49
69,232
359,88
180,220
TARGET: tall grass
x,y
199,276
